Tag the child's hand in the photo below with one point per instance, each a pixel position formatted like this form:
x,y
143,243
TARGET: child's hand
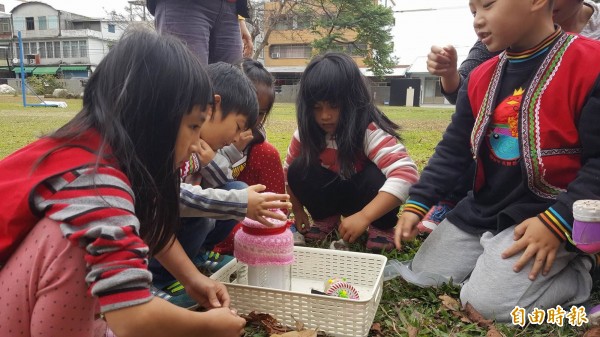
x,y
208,292
539,244
406,228
301,220
205,152
244,139
260,205
441,61
223,322
353,226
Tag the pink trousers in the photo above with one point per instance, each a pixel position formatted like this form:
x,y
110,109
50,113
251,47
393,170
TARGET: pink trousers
x,y
43,290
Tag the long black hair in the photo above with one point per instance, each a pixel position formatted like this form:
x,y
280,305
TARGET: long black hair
x,y
262,79
136,99
335,78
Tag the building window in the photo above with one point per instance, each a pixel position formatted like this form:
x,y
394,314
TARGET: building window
x,y
29,48
43,50
74,49
57,49
66,49
42,23
111,28
4,53
83,52
52,22
49,50
290,51
29,23
5,27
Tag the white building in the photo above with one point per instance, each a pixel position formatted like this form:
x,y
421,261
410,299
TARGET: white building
x,y
54,39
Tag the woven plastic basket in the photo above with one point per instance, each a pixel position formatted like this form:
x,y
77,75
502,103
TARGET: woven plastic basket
x,y
312,266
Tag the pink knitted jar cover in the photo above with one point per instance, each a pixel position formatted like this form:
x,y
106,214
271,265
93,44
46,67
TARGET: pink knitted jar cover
x,y
264,250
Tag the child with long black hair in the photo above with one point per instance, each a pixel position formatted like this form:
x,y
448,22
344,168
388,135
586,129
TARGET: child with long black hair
x,y
345,158
91,201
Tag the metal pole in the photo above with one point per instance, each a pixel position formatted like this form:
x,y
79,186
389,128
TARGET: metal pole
x,y
22,69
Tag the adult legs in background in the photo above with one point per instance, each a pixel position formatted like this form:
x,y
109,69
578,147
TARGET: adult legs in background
x,y
44,292
210,28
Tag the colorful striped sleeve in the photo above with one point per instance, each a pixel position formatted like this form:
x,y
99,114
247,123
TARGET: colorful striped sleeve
x,y
96,211
416,207
391,158
557,224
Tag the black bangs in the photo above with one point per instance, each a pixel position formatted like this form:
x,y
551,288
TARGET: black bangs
x,y
334,89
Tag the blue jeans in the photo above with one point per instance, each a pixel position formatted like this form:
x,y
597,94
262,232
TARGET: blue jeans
x,y
195,236
210,28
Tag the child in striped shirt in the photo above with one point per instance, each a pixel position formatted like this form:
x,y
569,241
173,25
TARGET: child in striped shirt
x,y
91,201
345,159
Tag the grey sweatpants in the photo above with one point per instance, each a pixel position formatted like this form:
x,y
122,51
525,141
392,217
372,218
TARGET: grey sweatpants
x,y
489,282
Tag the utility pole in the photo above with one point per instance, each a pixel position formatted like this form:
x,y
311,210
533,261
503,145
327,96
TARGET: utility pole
x,y
141,3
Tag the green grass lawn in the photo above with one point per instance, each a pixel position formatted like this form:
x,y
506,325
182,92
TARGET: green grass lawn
x,y
405,310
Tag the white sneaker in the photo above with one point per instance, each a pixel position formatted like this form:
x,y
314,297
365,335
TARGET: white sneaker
x,y
299,239
339,245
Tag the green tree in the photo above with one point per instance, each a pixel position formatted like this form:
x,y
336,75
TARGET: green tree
x,y
359,27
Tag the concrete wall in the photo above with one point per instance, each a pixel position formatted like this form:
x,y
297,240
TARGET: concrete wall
x,y
288,94
73,85
97,49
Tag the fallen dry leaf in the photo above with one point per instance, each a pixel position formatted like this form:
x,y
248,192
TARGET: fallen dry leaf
x,y
376,327
476,317
593,332
299,324
493,332
449,302
412,331
303,333
267,321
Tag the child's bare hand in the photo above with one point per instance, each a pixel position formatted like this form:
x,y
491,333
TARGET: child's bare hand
x,y
442,61
208,292
301,220
224,322
406,228
261,204
352,227
205,152
243,140
538,243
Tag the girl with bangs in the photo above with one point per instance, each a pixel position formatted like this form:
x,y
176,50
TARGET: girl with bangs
x,y
345,158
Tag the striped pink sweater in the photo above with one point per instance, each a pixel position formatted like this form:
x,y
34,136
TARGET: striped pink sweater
x,y
381,148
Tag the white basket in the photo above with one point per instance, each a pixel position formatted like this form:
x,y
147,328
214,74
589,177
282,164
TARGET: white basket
x,y
312,266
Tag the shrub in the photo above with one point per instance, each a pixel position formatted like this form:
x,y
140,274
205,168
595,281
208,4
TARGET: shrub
x,y
43,84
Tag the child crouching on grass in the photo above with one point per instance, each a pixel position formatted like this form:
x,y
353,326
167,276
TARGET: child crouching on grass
x,y
345,159
529,119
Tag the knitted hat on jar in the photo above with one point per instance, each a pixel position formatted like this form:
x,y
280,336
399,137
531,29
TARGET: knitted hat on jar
x,y
258,245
